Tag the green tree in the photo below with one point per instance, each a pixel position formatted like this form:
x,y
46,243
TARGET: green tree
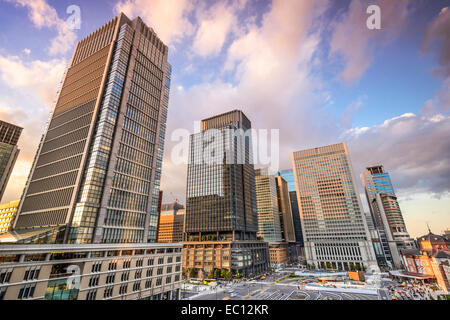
x,y
223,274
329,265
217,274
192,273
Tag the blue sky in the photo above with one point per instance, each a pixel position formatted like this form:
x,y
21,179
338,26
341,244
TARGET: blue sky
x,y
309,68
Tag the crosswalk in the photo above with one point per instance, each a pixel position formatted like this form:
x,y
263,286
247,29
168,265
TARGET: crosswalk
x,y
271,295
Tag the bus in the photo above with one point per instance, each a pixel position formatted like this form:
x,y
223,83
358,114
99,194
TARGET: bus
x,y
208,281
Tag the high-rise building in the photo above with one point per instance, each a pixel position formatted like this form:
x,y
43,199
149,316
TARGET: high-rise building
x,y
96,176
9,136
334,225
269,224
171,223
386,214
221,221
7,214
284,206
288,175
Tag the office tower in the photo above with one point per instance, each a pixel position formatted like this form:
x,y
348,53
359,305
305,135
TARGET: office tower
x,y
334,225
284,206
269,225
7,214
221,220
97,173
386,214
171,223
288,175
9,136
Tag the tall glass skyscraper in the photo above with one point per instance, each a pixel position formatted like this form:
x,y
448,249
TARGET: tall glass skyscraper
x,y
288,175
386,214
9,136
97,173
334,226
221,217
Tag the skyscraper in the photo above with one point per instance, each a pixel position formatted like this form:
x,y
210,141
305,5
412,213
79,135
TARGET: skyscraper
x,y
221,218
284,206
386,214
288,175
334,226
269,219
96,176
9,136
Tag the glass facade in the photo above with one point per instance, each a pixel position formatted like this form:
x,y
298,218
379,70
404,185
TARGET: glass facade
x,y
9,136
114,198
288,175
221,203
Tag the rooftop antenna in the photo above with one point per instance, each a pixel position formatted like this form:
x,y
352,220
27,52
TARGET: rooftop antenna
x,y
429,230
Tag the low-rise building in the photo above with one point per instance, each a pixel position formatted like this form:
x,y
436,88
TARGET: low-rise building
x,y
429,263
279,253
7,214
90,272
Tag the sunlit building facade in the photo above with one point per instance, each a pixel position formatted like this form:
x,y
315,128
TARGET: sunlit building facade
x,y
9,136
96,176
7,213
334,226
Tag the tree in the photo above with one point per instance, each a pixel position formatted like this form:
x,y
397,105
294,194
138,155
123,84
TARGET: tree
x,y
228,275
329,265
223,274
192,273
217,274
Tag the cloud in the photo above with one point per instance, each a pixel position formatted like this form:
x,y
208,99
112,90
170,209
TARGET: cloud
x,y
355,44
437,34
271,82
414,148
26,100
27,76
214,26
42,15
168,18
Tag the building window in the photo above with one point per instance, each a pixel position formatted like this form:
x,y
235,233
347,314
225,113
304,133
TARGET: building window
x,y
126,264
169,260
97,266
91,295
148,283
123,289
158,281
5,275
159,271
110,278
177,278
168,279
93,281
32,273
136,286
2,293
138,274
139,262
160,260
108,292
26,292
149,272
169,269
125,276
112,266
151,262
178,259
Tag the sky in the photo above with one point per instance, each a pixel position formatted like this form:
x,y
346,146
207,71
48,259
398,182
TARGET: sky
x,y
312,69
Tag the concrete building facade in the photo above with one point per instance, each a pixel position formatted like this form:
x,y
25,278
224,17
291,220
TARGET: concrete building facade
x,y
90,272
334,226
